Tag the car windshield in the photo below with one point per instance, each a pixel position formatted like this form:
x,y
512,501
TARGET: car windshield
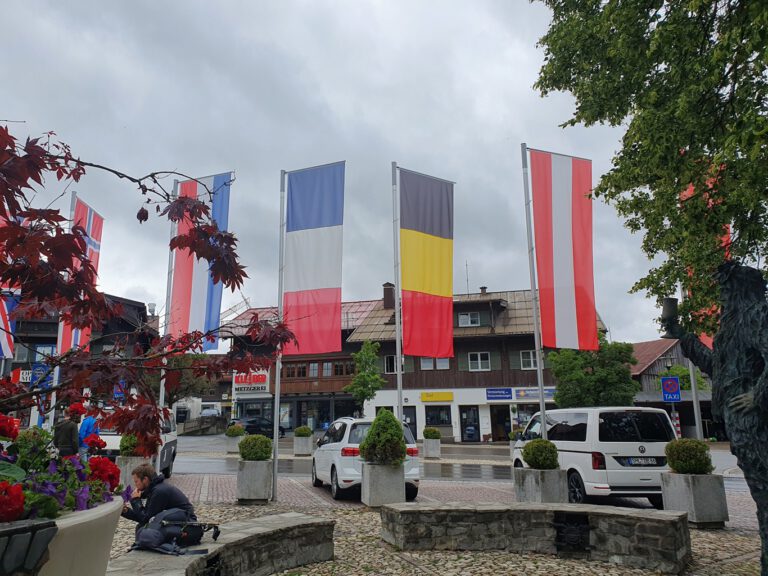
x,y
627,426
359,431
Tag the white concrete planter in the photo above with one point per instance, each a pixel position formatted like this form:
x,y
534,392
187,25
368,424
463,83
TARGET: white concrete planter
x,y
254,481
126,465
512,449
382,484
540,485
84,541
233,444
431,448
701,495
302,446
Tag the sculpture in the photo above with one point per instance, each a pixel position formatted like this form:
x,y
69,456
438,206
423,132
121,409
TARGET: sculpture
x,y
738,367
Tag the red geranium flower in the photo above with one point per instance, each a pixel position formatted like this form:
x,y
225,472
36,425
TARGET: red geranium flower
x,y
94,441
9,427
11,502
105,470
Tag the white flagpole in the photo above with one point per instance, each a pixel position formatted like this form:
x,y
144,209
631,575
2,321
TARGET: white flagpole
x,y
534,294
398,323
279,362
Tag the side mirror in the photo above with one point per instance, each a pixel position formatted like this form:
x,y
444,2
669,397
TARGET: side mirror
x,y
319,442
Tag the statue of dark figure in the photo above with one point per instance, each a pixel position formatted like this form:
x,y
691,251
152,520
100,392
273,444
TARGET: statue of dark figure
x,y
738,366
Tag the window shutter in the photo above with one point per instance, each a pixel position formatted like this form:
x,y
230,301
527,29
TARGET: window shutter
x,y
495,360
485,318
462,361
408,364
514,360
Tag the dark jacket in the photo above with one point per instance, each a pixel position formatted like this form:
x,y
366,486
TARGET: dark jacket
x,y
65,437
159,497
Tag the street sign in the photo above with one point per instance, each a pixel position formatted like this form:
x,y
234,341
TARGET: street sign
x,y
670,388
40,376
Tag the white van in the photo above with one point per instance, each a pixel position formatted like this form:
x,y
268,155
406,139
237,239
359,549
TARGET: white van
x,y
606,451
168,438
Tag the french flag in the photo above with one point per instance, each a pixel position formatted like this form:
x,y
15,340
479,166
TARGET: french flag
x,y
93,223
195,303
562,216
312,263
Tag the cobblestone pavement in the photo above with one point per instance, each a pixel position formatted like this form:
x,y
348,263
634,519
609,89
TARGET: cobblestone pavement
x,y
360,551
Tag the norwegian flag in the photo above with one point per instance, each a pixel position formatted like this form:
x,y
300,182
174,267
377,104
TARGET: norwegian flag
x,y
92,222
10,299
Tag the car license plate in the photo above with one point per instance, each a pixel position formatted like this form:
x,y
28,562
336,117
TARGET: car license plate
x,y
642,461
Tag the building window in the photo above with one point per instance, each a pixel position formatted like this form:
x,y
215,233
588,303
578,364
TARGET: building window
x,y
349,368
479,361
327,369
338,368
289,371
443,363
528,359
427,363
301,370
43,351
313,366
437,415
389,364
469,319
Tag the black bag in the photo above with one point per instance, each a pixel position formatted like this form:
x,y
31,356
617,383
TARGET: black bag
x,y
164,528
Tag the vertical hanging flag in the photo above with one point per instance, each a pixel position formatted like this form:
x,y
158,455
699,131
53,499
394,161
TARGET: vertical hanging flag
x,y
92,222
8,302
195,300
312,266
426,255
562,215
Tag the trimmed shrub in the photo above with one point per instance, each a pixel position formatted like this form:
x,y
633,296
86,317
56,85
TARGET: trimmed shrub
x,y
432,434
256,447
303,432
689,456
385,443
541,454
128,443
234,430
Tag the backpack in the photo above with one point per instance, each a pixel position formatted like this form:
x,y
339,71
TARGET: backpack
x,y
171,530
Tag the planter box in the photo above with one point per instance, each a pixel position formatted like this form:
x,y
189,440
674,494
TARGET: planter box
x,y
540,485
233,444
382,484
254,481
701,495
431,448
83,542
302,446
126,465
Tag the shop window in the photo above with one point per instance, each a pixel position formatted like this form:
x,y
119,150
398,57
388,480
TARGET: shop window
x,y
479,361
437,415
469,319
443,363
327,369
427,363
528,360
389,364
313,368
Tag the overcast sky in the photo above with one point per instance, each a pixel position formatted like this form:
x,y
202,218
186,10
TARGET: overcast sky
x,y
441,87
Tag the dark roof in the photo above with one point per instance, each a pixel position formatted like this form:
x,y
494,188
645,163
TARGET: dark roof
x,y
649,352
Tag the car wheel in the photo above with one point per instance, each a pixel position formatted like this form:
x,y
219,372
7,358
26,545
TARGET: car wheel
x,y
316,482
576,492
657,501
518,464
335,490
411,491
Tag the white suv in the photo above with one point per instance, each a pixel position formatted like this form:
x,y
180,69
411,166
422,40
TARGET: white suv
x,y
606,451
337,459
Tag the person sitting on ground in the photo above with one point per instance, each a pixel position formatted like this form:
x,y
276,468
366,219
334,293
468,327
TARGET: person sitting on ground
x,y
65,434
158,495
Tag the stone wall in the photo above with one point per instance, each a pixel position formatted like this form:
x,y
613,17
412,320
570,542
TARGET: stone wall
x,y
256,547
651,539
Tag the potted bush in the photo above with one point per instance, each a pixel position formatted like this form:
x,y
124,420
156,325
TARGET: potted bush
x,y
254,472
690,485
383,453
302,441
234,434
432,442
128,458
543,481
35,483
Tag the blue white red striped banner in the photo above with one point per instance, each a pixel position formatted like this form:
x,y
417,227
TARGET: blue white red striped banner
x,y
8,303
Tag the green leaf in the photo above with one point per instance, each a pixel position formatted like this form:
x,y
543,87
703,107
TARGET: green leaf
x,y
8,470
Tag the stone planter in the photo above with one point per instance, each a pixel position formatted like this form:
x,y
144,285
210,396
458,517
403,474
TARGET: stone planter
x,y
254,481
25,545
302,446
701,495
540,485
431,448
382,484
83,541
126,465
233,443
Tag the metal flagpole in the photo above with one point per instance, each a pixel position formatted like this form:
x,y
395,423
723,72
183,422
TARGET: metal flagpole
x,y
694,390
534,294
398,320
279,362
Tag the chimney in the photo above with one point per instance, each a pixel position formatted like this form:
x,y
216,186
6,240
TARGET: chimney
x,y
389,296
483,289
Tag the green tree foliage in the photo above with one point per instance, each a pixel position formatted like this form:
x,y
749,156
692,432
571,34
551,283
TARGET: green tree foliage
x,y
384,443
182,379
367,380
594,378
684,374
689,82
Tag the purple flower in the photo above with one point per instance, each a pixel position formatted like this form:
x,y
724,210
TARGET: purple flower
x,y
5,457
107,495
52,489
126,494
81,498
53,467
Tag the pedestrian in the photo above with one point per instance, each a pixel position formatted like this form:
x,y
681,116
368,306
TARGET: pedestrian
x,y
65,433
151,495
87,428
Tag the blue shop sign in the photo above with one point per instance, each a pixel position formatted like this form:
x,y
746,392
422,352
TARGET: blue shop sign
x,y
533,394
498,393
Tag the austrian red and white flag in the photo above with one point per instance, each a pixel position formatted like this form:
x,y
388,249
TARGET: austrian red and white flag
x,y
562,216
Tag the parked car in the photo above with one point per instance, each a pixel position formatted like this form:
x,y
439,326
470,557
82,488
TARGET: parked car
x,y
259,425
209,412
606,451
168,437
337,459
